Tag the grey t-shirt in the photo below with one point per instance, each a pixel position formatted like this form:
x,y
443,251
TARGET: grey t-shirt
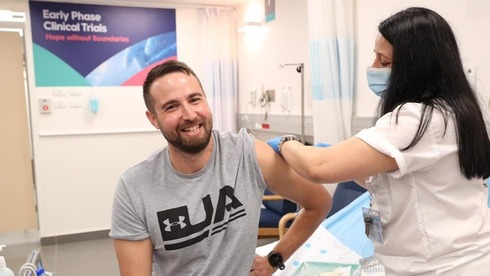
x,y
200,224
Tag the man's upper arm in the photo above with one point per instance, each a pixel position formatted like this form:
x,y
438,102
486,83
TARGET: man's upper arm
x,y
134,257
283,180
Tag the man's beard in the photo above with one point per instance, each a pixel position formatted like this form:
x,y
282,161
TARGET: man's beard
x,y
192,145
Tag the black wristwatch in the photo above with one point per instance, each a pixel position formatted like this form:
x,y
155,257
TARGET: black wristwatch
x,y
286,138
275,260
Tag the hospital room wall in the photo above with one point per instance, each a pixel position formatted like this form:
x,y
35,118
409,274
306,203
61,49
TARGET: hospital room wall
x,y
286,41
76,172
283,40
470,21
79,155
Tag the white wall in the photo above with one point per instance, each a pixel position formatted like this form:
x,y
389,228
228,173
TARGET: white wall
x,y
79,155
285,40
76,173
470,21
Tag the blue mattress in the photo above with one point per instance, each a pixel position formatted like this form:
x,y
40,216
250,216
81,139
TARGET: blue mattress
x,y
348,227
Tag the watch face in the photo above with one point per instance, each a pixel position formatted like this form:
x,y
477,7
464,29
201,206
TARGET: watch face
x,y
276,260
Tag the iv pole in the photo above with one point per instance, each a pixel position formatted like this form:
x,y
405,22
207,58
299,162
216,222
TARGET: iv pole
x,y
300,69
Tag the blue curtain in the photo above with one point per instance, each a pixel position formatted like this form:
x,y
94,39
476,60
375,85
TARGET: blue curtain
x,y
331,46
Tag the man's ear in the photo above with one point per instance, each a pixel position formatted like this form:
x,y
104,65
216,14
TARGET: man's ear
x,y
152,118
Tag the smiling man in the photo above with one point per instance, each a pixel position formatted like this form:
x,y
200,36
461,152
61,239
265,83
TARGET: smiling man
x,y
192,208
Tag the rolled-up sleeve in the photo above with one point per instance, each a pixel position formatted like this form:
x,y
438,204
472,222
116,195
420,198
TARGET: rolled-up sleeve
x,y
392,133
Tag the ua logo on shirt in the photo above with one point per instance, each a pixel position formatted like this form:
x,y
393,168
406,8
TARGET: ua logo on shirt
x,y
169,224
177,230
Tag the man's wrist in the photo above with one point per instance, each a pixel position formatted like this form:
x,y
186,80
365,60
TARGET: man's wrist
x,y
276,260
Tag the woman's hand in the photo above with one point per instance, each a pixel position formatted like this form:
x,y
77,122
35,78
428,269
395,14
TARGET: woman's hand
x,y
274,143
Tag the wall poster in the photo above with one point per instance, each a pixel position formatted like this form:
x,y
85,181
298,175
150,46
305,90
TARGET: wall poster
x,y
98,45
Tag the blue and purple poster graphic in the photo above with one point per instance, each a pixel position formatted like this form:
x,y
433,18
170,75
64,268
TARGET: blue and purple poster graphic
x,y
97,45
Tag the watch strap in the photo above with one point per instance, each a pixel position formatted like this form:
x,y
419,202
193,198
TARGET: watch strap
x,y
286,138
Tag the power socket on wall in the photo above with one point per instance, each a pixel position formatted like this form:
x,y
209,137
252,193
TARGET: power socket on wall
x,y
45,106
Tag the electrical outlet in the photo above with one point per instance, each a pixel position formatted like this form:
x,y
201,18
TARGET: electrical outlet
x,y
45,106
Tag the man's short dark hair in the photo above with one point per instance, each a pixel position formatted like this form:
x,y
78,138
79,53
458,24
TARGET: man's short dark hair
x,y
170,66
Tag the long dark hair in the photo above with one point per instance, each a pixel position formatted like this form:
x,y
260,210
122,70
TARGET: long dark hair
x,y
427,68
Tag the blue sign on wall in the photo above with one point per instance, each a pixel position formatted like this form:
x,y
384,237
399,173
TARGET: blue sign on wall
x,y
97,45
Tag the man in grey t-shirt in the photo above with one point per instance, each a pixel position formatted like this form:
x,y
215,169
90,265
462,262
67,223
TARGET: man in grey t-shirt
x,y
193,207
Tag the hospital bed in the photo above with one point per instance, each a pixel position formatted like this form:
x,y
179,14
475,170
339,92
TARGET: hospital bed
x,y
340,240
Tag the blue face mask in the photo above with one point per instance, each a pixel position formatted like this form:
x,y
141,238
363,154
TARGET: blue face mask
x,y
378,79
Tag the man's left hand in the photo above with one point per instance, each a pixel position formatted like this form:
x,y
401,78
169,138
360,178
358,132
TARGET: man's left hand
x,y
261,267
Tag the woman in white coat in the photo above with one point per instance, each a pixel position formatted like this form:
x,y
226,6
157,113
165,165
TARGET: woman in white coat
x,y
425,160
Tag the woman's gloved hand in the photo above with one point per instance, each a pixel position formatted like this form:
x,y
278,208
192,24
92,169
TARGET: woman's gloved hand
x,y
275,144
